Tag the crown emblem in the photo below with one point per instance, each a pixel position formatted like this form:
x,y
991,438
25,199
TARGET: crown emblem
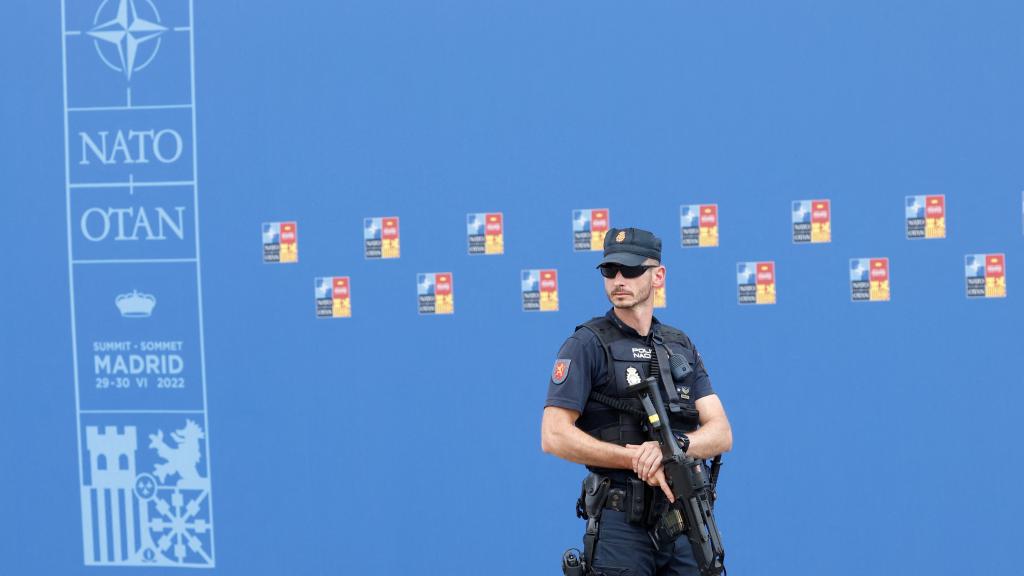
x,y
620,236
136,304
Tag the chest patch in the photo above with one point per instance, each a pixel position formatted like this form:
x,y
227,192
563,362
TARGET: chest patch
x,y
642,353
561,370
632,376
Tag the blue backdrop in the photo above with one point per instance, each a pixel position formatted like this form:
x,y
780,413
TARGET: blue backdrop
x,y
869,437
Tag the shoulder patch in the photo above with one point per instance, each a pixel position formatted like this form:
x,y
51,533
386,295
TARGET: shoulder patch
x,y
561,370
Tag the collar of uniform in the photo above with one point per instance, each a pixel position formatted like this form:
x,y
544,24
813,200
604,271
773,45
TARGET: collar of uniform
x,y
629,329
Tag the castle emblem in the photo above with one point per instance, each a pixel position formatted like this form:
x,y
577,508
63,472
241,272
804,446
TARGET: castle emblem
x,y
159,517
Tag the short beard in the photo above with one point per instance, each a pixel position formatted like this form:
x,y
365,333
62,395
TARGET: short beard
x,y
642,295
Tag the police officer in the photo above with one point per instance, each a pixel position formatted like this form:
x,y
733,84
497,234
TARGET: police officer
x,y
591,418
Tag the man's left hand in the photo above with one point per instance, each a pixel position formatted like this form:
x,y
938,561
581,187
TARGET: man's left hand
x,y
647,459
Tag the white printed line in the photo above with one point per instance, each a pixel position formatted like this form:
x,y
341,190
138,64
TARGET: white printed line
x,y
115,528
137,261
87,515
144,412
132,184
144,107
101,512
199,281
87,551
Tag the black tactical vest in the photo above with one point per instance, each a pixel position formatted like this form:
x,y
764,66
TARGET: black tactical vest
x,y
612,412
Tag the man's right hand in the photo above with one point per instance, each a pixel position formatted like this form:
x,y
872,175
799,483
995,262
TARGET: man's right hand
x,y
658,479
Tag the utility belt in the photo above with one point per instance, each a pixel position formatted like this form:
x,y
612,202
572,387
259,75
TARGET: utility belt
x,y
641,504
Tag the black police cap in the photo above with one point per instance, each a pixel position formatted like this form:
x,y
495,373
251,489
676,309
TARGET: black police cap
x,y
630,247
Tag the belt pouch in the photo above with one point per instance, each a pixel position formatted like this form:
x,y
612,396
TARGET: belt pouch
x,y
635,489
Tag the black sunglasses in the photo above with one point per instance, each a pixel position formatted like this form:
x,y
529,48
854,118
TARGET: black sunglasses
x,y
611,270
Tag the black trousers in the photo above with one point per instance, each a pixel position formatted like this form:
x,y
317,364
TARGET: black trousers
x,y
625,549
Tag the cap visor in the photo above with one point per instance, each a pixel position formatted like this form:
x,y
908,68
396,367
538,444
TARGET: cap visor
x,y
623,258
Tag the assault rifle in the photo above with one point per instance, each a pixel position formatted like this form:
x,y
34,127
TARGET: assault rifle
x,y
694,491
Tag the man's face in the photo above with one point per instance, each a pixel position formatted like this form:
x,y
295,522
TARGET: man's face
x,y
630,292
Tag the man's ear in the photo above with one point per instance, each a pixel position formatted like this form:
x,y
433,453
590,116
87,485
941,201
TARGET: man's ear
x,y
658,278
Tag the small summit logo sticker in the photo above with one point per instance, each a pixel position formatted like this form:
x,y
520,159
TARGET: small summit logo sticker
x,y
869,279
755,282
540,290
698,225
926,217
812,221
333,297
435,293
485,233
381,238
589,227
280,242
985,275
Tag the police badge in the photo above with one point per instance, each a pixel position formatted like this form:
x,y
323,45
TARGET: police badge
x,y
632,376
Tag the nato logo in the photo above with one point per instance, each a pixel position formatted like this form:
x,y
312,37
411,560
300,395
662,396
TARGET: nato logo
x,y
129,91
128,52
530,281
127,34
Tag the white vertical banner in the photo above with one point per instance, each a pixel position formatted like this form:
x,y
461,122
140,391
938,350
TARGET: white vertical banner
x,y
131,184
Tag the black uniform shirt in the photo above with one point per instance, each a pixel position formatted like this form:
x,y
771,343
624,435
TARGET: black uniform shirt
x,y
581,365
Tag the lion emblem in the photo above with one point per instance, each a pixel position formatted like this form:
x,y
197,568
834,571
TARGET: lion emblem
x,y
181,459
